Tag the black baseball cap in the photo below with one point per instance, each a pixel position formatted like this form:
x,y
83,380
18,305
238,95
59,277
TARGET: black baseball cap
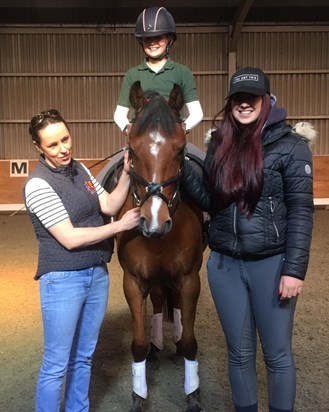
x,y
249,80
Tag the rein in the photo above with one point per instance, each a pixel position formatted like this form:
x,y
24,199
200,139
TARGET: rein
x,y
109,157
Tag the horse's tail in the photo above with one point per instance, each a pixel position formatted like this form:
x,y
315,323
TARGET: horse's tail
x,y
168,308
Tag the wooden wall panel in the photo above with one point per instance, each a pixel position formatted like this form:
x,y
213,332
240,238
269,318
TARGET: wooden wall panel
x,y
297,62
321,179
11,187
79,71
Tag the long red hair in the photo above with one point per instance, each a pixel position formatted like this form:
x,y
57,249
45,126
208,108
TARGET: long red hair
x,y
236,174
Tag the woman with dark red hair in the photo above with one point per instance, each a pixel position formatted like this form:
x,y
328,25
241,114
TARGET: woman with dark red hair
x,y
258,188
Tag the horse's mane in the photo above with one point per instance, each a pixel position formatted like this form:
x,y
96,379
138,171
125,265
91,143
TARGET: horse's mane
x,y
156,115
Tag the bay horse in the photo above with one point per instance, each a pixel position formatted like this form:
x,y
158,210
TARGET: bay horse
x,y
166,250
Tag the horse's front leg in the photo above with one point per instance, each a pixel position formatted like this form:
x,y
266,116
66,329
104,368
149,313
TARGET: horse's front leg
x,y
136,300
190,292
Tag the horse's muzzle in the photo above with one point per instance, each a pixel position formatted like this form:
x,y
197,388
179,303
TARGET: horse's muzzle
x,y
157,232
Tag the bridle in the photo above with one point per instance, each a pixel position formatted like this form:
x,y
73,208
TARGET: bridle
x,y
153,188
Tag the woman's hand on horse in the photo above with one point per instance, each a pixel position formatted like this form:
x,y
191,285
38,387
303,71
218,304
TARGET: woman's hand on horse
x,y
130,219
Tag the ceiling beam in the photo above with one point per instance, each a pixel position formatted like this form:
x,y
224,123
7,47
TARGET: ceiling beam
x,y
237,23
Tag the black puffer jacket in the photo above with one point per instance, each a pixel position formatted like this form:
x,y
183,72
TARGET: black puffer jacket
x,y
283,219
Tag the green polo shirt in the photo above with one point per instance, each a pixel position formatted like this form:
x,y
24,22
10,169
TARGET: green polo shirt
x,y
162,81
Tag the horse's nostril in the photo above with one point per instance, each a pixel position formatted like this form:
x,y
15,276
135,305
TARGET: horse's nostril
x,y
142,222
168,225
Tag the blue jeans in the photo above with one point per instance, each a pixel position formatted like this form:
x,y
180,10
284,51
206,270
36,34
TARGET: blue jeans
x,y
246,297
73,305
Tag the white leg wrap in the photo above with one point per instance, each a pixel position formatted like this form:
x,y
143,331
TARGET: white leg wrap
x,y
139,378
191,376
177,326
157,330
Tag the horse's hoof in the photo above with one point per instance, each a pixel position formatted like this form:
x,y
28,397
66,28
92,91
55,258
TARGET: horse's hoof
x,y
137,403
193,402
179,349
153,353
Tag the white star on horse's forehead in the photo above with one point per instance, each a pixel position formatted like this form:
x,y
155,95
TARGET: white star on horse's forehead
x,y
158,140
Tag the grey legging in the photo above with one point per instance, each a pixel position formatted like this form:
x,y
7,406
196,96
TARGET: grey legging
x,y
246,298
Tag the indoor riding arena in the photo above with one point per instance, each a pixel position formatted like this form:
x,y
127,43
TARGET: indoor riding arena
x,y
21,337
57,54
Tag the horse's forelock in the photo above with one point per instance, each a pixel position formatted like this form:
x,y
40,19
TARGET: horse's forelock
x,y
156,114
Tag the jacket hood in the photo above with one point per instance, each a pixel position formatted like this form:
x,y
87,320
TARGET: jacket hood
x,y
275,126
306,131
278,117
277,114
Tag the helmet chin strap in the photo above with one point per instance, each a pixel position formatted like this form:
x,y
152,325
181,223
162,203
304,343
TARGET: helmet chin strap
x,y
164,54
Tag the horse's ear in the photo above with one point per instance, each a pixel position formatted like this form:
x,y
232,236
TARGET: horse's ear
x,y
136,97
176,99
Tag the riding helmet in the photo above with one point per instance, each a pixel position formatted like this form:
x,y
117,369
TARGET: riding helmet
x,y
155,21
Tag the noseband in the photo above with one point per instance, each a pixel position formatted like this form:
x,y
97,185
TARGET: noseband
x,y
153,188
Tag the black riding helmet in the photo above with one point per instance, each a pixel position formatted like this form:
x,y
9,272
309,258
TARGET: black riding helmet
x,y
155,21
